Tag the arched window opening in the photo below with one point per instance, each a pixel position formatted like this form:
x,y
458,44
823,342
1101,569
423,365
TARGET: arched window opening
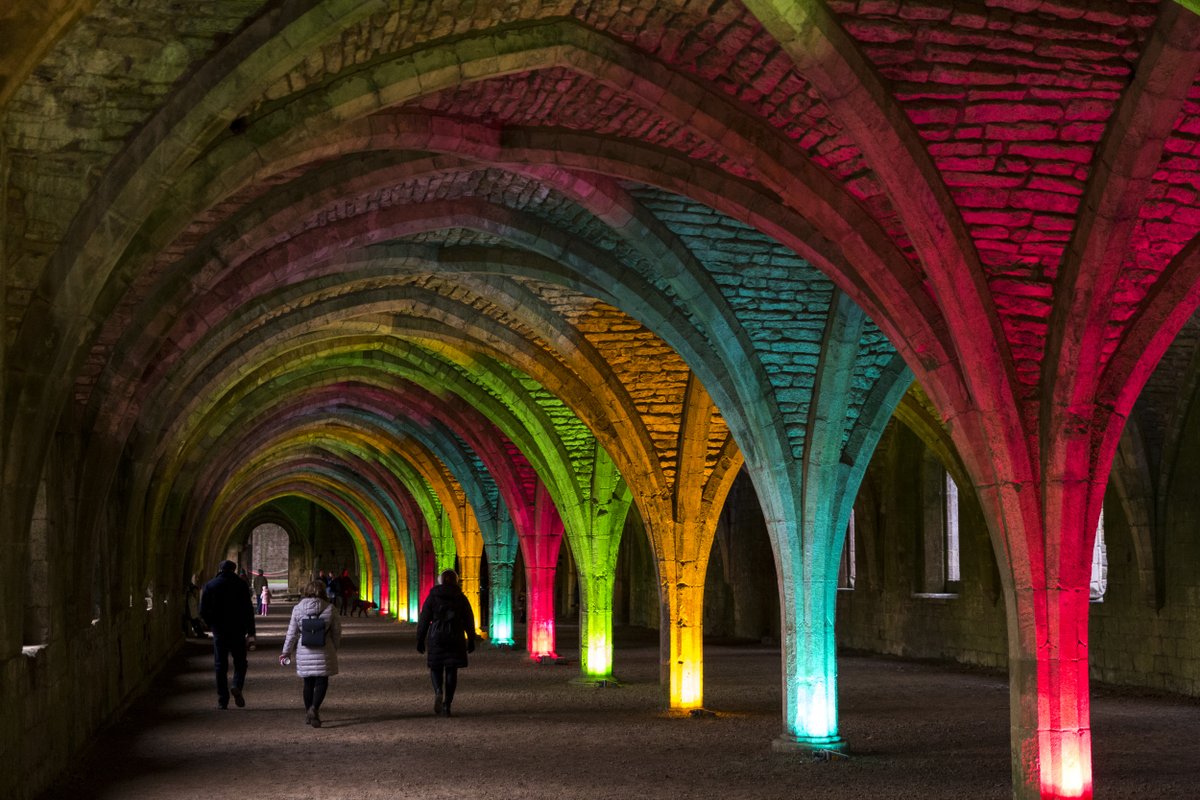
x,y
940,573
36,630
950,511
847,569
1099,582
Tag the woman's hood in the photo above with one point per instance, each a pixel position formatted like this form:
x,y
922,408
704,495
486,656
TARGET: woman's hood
x,y
312,605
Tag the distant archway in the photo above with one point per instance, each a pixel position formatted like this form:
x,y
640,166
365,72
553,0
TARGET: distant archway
x,y
269,551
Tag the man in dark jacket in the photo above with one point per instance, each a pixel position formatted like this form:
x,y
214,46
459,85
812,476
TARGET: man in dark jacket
x,y
256,586
446,628
225,606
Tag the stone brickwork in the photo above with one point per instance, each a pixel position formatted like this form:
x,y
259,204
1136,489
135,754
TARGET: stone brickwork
x,y
1157,411
1012,108
1132,644
1135,643
885,613
783,304
124,58
241,243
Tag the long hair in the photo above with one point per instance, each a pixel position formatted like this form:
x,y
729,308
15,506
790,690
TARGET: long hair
x,y
314,589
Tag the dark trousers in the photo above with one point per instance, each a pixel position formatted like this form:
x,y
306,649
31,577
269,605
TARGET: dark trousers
x,y
315,687
225,646
445,681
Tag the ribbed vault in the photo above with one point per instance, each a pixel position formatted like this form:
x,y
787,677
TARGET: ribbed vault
x,y
482,278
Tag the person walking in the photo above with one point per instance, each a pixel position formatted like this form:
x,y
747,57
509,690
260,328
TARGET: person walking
x,y
445,633
192,624
315,663
226,607
347,589
256,588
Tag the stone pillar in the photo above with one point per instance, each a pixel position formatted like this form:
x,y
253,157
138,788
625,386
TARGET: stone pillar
x,y
808,593
501,556
470,554
1049,699
1049,546
500,577
540,548
682,630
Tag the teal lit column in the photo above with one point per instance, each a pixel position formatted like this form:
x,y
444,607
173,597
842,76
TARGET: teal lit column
x,y
500,576
809,599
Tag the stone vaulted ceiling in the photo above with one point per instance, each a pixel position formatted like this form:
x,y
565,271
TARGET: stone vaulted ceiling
x,y
420,260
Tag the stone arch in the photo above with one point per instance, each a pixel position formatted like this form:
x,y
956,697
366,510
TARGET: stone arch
x,y
270,514
719,317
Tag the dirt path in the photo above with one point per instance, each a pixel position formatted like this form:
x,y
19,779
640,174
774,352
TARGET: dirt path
x,y
524,731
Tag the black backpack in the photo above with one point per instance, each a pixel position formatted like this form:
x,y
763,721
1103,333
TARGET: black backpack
x,y
442,629
312,632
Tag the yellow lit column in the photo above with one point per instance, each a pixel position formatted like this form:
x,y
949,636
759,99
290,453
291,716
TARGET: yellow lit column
x,y
684,591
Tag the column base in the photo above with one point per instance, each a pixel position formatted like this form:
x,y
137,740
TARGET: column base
x,y
691,713
607,682
828,748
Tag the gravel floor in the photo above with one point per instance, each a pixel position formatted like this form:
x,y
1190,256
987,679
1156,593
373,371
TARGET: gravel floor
x,y
525,731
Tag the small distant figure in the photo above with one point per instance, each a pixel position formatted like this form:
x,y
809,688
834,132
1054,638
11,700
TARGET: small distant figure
x,y
191,614
256,587
315,653
228,610
446,632
361,607
346,591
264,601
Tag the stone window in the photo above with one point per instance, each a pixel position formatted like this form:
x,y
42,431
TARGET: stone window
x,y
36,630
950,515
938,548
1099,582
846,569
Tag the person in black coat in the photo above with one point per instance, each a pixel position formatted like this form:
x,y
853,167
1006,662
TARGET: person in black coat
x,y
445,633
226,607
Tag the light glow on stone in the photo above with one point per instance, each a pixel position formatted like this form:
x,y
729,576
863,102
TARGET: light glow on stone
x,y
541,638
1072,779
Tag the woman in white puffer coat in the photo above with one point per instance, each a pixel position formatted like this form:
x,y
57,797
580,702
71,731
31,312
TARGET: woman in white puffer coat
x,y
314,664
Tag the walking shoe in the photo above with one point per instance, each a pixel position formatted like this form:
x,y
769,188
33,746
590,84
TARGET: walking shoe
x,y
237,697
309,716
437,704
316,720
446,710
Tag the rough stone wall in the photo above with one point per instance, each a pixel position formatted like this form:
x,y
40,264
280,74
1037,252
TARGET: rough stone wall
x,y
741,599
742,572
98,636
62,133
636,588
884,614
93,672
1131,642
269,549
